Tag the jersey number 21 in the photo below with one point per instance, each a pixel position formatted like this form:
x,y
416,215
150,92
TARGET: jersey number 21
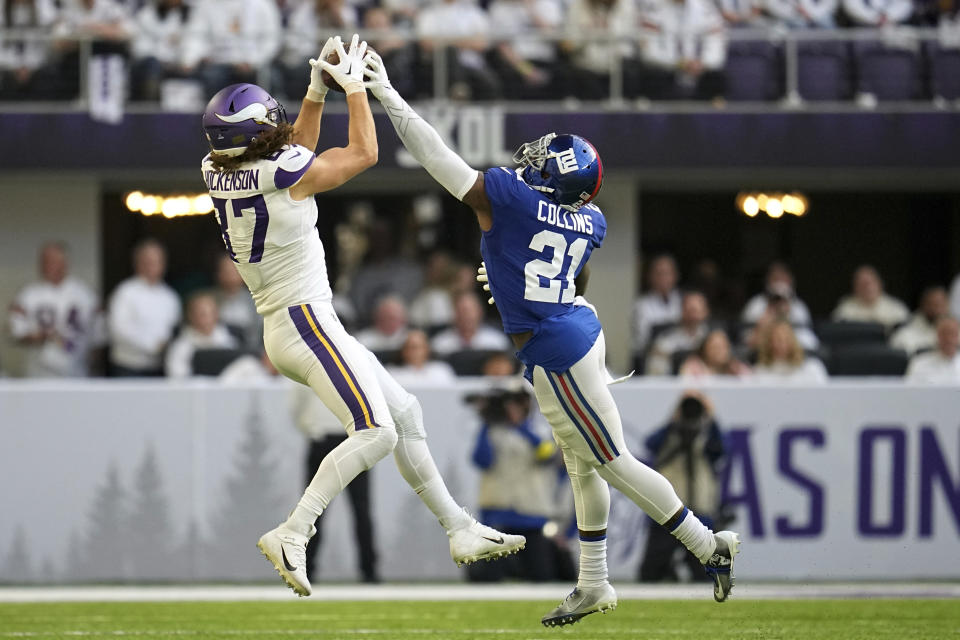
x,y
555,290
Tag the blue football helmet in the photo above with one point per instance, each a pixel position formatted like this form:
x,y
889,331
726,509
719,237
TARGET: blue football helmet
x,y
566,167
237,114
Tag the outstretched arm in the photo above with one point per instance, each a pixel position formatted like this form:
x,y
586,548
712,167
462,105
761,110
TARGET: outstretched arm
x,y
427,147
306,129
335,166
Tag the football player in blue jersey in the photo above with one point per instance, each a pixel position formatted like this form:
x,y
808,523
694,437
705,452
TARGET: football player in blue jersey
x,y
539,228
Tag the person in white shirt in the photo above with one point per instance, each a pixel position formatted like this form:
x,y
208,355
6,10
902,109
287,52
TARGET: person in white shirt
x,y
660,305
468,332
229,40
389,330
780,358
143,313
416,367
157,46
941,366
237,309
869,303
878,13
955,297
920,334
779,282
203,331
308,23
685,50
527,63
714,359
687,336
591,57
56,319
466,26
778,305
433,305
25,65
744,13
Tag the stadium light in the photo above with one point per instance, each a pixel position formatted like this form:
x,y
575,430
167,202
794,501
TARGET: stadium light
x,y
775,204
170,206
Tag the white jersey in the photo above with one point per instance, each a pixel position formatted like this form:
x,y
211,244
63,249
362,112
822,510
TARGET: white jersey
x,y
71,312
272,237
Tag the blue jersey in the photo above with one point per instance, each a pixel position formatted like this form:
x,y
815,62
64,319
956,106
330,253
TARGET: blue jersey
x,y
533,252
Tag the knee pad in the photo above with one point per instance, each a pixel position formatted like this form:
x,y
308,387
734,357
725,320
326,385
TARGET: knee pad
x,y
409,420
374,444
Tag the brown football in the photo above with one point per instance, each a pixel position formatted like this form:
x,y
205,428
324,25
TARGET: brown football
x,y
333,58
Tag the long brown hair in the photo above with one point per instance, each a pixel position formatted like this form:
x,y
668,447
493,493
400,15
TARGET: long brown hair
x,y
765,350
265,144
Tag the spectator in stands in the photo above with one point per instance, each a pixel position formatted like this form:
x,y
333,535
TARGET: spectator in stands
x,y
778,284
203,331
780,358
384,272
158,46
517,483
660,305
398,55
943,364
804,14
468,332
779,299
687,336
869,303
143,313
433,306
309,23
466,26
714,358
689,452
878,13
685,50
955,297
884,14
920,334
528,65
109,25
499,365
389,330
416,366
229,40
25,65
591,58
724,295
56,319
237,309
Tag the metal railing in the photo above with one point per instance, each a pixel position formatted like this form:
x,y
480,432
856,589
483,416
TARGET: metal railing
x,y
789,41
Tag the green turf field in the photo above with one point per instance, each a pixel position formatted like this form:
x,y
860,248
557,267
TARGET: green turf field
x,y
840,619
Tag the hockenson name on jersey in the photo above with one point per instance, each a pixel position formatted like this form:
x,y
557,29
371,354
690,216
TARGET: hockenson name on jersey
x,y
560,217
241,180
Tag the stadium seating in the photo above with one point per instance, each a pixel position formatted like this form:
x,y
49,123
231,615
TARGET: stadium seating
x,y
823,71
211,362
944,71
753,71
840,334
469,363
888,73
867,360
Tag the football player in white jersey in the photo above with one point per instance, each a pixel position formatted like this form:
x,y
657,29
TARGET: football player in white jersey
x,y
262,175
57,319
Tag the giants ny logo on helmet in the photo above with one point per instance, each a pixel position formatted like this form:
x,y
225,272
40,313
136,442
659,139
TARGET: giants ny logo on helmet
x,y
565,167
567,161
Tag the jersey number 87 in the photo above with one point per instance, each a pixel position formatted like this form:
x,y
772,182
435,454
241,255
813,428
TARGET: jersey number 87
x,y
555,291
258,205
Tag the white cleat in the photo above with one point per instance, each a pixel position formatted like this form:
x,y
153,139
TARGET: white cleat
x,y
581,602
287,551
720,565
480,542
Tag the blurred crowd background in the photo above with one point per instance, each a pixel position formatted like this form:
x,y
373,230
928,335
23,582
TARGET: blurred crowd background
x,y
177,51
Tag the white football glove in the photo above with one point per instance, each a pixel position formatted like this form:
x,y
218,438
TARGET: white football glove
x,y
481,275
376,74
348,73
317,91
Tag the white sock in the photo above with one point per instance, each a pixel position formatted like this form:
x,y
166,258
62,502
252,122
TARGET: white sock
x,y
417,467
357,453
593,562
695,535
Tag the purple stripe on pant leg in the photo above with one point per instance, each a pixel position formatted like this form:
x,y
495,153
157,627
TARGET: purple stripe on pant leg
x,y
329,367
346,366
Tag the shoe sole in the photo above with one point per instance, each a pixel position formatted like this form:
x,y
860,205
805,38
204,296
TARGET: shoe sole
x,y
492,555
733,541
571,618
290,582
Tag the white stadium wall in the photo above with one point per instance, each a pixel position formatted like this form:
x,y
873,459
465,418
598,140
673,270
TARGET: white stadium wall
x,y
155,480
